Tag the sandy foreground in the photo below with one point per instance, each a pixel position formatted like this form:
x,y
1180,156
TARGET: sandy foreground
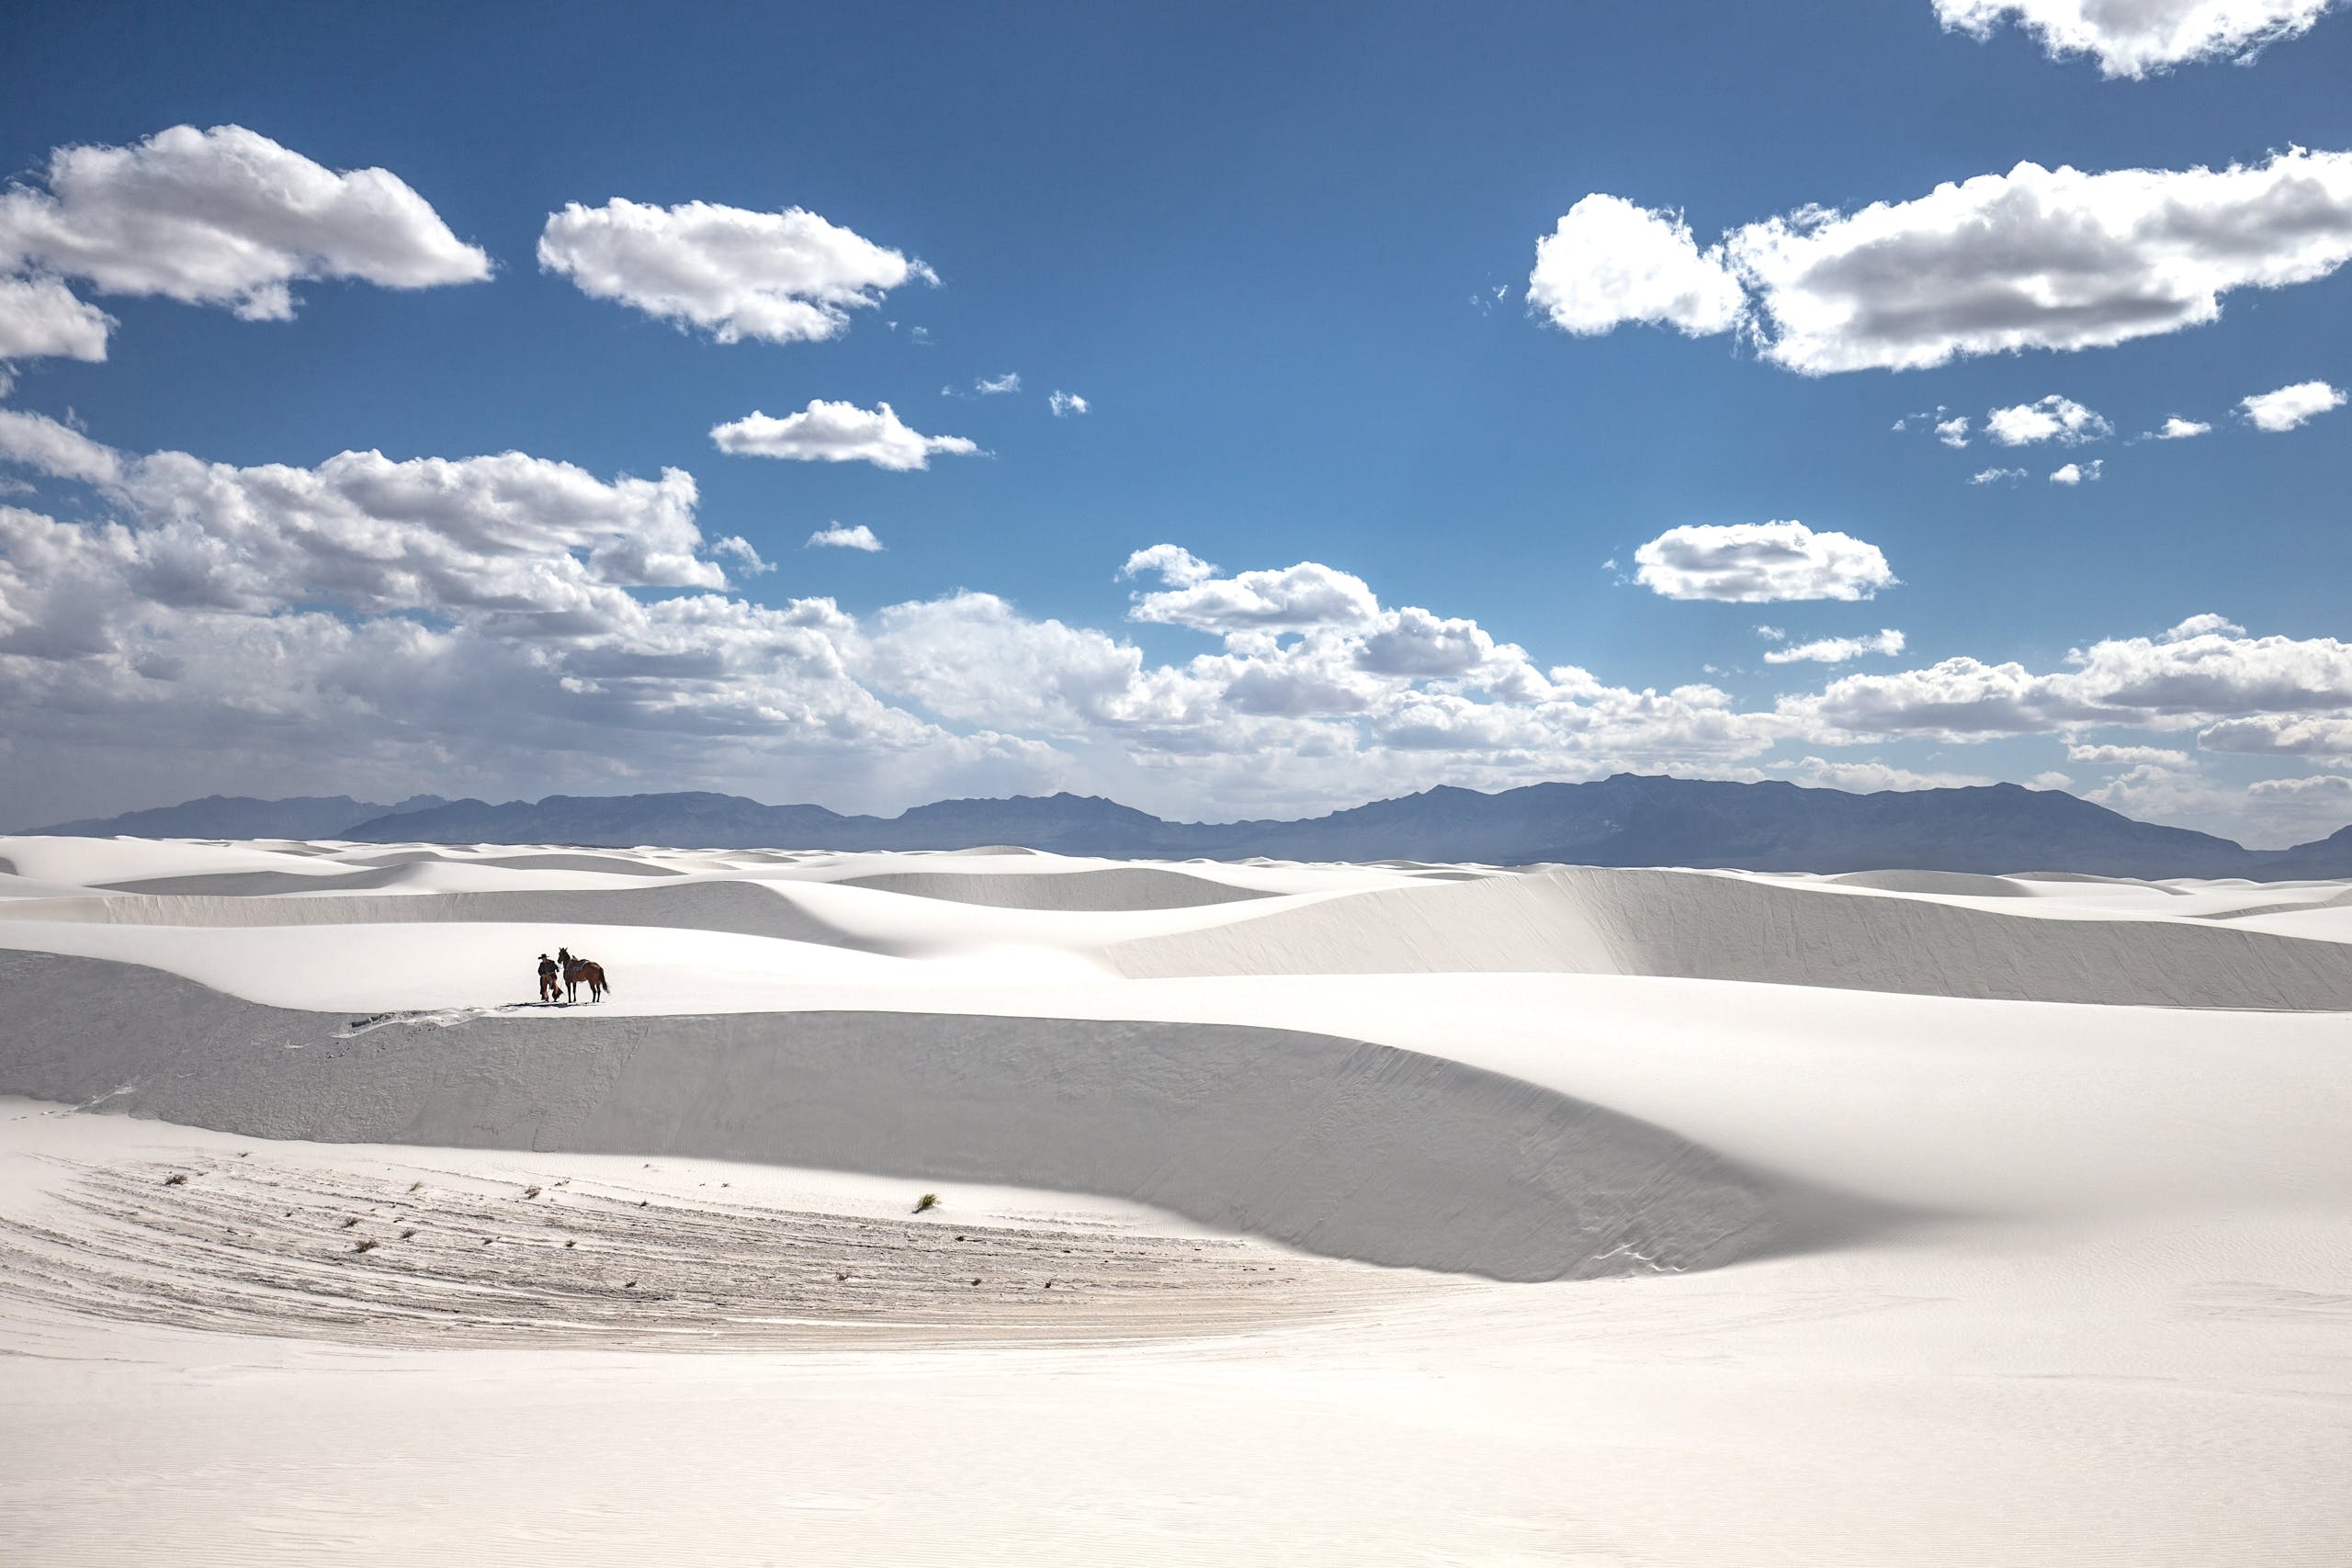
x,y
1287,1214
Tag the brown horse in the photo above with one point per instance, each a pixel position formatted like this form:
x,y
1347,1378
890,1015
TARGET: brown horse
x,y
589,971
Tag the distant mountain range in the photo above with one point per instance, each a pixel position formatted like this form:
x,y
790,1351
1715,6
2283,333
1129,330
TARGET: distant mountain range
x,y
242,817
1628,820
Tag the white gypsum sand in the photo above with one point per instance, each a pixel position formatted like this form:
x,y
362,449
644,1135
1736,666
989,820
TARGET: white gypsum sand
x,y
1286,1213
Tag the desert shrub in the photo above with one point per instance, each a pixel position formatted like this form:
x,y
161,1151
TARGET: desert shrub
x,y
928,1200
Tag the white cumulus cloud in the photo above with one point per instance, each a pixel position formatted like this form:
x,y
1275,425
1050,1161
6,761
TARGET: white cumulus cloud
x,y
1609,261
837,432
1760,563
2054,418
1954,432
858,537
2206,625
2076,473
2127,755
39,317
1307,594
2290,406
1837,649
1065,403
2333,788
36,441
2036,258
2279,735
1172,564
2179,429
2135,38
2184,678
788,276
219,217
996,386
1994,476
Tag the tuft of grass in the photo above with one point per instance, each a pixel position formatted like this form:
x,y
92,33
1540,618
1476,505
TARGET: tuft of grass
x,y
928,1200
530,1191
366,1244
351,1222
177,1178
408,1234
416,1186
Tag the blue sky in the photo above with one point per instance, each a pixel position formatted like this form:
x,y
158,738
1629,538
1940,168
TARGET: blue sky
x,y
1285,256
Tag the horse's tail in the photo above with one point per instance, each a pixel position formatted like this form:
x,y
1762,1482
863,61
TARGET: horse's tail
x,y
603,979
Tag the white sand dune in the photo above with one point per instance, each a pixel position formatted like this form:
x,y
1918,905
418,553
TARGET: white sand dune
x,y
1342,1148
1693,925
1290,1212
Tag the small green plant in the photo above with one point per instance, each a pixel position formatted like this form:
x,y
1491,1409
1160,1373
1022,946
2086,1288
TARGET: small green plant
x,y
928,1200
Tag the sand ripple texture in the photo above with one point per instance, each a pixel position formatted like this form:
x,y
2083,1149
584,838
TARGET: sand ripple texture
x,y
256,1242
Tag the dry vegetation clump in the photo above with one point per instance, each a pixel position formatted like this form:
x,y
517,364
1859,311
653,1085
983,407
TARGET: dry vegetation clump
x,y
927,1201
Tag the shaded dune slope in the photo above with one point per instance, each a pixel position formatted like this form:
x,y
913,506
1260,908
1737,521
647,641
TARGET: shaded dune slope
x,y
743,907
407,871
1108,888
1725,928
1332,1146
618,864
1941,884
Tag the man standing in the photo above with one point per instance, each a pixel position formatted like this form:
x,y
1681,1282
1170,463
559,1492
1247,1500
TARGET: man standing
x,y
548,978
